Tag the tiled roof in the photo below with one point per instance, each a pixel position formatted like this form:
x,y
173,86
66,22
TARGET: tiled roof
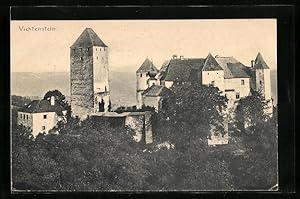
x,y
260,63
147,66
238,70
42,106
181,69
156,90
233,68
88,38
211,64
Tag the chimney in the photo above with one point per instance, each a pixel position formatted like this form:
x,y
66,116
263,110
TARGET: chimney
x,y
252,63
52,101
181,57
174,56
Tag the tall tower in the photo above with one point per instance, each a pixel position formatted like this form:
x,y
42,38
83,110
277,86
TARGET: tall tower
x,y
89,74
262,77
262,81
146,71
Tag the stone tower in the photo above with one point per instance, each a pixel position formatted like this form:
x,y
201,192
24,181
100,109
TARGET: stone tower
x,y
89,75
146,72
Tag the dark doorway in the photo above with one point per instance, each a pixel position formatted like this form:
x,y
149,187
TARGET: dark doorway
x,y
101,106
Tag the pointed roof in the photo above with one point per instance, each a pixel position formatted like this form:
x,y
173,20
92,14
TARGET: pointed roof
x,y
88,38
211,64
260,63
147,66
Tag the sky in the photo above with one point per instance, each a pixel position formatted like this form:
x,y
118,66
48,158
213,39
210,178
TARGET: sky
x,y
130,42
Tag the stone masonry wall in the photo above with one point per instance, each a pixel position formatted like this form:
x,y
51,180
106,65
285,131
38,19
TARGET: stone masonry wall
x,y
81,73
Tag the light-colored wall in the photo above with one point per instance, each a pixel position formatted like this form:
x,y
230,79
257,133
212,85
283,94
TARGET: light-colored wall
x,y
152,101
139,99
236,84
168,84
39,121
141,82
267,78
152,82
98,98
100,69
216,76
24,121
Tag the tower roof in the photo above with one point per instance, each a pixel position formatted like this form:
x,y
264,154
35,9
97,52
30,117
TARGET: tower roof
x,y
211,64
88,38
147,66
260,63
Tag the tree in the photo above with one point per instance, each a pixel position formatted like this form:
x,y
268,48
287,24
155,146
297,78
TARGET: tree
x,y
258,134
191,113
60,98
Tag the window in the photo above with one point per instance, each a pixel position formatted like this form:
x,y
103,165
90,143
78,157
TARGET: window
x,y
212,83
104,49
21,115
207,73
43,128
141,75
100,49
80,49
87,49
260,82
225,95
27,117
242,82
237,95
97,57
81,58
217,73
96,49
45,116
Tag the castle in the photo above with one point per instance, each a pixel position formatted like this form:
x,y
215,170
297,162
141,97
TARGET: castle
x,y
89,75
234,79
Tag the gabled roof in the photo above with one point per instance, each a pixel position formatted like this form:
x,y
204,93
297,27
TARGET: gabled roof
x,y
156,90
211,64
147,66
233,68
88,38
260,63
43,106
181,69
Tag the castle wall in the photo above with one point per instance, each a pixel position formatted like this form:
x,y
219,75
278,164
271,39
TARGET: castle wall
x,y
82,87
214,77
243,89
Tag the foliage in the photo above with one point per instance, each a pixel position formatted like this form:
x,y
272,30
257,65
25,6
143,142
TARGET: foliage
x,y
60,98
19,101
192,113
259,137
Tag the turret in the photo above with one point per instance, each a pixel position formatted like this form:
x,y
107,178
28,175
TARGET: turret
x,y
145,77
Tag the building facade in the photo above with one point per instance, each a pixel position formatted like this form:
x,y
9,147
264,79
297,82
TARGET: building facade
x,y
89,75
40,116
234,79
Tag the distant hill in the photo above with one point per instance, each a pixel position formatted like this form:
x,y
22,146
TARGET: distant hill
x,y
122,85
37,84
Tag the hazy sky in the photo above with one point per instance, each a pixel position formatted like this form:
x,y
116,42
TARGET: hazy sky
x,y
131,41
